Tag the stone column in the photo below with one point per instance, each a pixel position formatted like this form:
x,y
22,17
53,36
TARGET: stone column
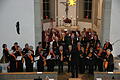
x,y
38,26
56,10
105,29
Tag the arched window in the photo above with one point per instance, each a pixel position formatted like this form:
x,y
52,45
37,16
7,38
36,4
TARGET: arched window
x,y
88,9
46,9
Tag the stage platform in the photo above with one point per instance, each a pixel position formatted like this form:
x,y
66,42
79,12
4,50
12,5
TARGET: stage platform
x,y
28,76
64,76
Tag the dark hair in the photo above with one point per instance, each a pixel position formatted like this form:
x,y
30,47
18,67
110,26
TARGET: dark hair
x,y
4,45
39,43
16,43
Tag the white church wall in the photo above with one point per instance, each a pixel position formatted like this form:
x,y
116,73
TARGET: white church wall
x,y
48,25
12,11
115,26
83,25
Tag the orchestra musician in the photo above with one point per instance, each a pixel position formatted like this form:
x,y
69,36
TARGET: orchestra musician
x,y
15,46
37,48
19,63
29,60
50,60
12,64
41,62
61,59
90,58
26,49
109,63
5,53
81,51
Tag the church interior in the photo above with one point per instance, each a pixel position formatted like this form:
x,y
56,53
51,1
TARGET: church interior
x,y
59,40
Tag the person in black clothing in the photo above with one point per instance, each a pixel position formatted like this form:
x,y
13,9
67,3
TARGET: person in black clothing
x,y
68,57
26,49
29,62
100,59
5,52
90,58
50,60
19,63
56,45
38,47
41,61
15,46
108,45
61,59
12,64
81,51
75,56
110,61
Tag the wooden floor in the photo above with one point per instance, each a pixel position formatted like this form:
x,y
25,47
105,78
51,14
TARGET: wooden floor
x,y
67,76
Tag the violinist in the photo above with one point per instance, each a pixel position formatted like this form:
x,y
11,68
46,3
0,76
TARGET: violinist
x,y
5,52
109,63
26,49
15,46
90,58
19,62
12,64
29,61
41,62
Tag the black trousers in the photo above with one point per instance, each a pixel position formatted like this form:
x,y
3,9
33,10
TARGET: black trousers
x,y
40,66
110,67
74,70
13,66
82,66
69,66
50,65
91,67
100,65
19,67
60,67
29,67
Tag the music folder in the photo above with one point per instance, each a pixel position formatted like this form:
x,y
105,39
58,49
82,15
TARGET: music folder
x,y
19,58
37,58
48,57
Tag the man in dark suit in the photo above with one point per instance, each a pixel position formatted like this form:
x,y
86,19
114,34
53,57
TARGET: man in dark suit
x,y
74,62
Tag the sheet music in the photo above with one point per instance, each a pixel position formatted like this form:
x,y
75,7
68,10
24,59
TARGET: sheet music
x,y
19,58
48,57
37,58
98,78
